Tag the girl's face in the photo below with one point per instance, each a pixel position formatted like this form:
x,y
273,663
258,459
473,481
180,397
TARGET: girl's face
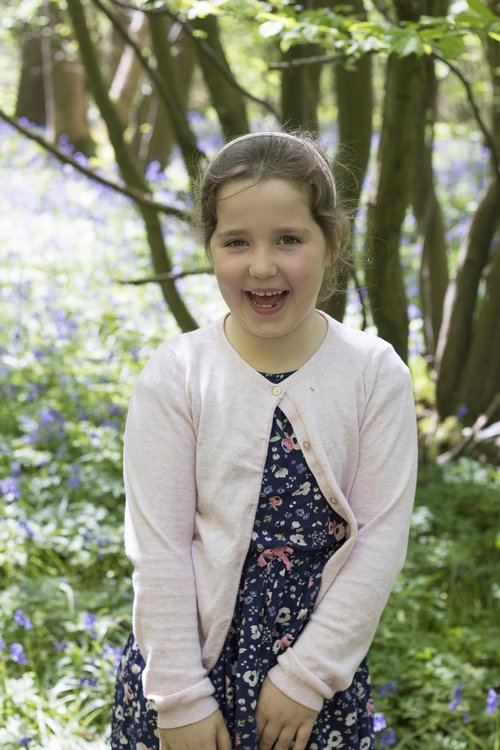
x,y
269,256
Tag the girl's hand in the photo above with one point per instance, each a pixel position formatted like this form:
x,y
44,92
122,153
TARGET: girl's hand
x,y
281,721
208,734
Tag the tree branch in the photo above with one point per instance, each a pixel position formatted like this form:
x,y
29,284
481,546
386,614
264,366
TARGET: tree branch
x,y
299,62
490,143
171,276
136,195
204,48
478,425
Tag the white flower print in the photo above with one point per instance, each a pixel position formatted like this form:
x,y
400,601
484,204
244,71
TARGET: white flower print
x,y
350,719
251,676
297,539
366,744
280,473
302,614
283,615
304,489
255,632
334,740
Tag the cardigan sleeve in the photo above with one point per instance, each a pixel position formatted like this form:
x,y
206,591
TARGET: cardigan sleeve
x,y
159,473
337,637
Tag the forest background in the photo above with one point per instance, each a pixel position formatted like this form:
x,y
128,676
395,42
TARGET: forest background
x,y
107,111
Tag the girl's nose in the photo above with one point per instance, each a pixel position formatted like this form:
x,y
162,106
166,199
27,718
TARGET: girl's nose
x,y
262,264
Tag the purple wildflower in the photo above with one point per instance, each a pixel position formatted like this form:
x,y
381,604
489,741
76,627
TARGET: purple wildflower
x,y
25,741
388,738
89,621
456,697
2,644
386,688
17,654
10,489
461,411
87,681
21,619
491,701
24,526
379,722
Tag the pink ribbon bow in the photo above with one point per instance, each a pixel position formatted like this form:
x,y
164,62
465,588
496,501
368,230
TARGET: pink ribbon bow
x,y
280,552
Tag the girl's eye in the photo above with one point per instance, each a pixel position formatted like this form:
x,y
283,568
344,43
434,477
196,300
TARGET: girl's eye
x,y
236,243
289,240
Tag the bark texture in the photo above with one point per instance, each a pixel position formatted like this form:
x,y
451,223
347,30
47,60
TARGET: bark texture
x,y
30,94
354,96
387,209
228,102
434,262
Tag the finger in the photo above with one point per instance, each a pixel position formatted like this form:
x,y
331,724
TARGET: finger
x,y
268,737
286,740
223,739
302,737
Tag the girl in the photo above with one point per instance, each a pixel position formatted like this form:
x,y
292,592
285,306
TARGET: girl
x,y
269,464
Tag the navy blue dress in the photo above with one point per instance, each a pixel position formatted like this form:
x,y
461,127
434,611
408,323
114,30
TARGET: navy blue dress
x,y
295,533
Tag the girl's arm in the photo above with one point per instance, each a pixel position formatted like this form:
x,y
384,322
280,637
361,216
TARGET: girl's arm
x,y
325,657
159,471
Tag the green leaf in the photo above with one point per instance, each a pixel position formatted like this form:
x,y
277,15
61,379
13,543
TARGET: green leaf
x,y
481,9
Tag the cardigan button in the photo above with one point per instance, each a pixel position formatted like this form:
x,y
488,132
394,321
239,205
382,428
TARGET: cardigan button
x,y
276,391
306,444
334,500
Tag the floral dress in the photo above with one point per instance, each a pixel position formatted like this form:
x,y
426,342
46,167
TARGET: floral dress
x,y
295,533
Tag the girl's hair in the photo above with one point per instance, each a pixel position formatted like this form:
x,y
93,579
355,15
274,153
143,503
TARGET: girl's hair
x,y
295,158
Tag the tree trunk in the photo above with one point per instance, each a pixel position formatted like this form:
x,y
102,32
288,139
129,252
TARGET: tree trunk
x,y
30,96
386,211
155,143
64,87
434,263
481,376
354,96
465,351
172,97
300,85
129,168
227,101
125,83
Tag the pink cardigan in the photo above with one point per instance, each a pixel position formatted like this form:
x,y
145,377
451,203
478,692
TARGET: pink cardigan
x,y
195,447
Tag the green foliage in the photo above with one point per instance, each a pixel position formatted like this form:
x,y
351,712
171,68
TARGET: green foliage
x,y
347,34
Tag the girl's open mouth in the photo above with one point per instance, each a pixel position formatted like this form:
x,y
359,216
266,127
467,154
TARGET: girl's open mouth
x,y
266,300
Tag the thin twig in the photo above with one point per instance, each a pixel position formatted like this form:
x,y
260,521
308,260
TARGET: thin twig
x,y
136,195
490,143
311,60
204,48
480,422
170,276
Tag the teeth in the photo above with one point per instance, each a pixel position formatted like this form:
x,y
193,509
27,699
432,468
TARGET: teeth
x,y
266,294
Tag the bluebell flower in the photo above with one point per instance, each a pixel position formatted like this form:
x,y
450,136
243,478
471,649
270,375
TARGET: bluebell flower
x,y
87,681
379,722
10,489
2,644
388,738
25,741
24,526
89,621
456,697
491,701
21,619
387,687
18,655
462,411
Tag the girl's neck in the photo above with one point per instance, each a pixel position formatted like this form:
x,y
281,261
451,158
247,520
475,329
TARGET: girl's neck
x,y
281,354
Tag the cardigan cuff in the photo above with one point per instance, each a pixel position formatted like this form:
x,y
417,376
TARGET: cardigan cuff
x,y
295,689
181,715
